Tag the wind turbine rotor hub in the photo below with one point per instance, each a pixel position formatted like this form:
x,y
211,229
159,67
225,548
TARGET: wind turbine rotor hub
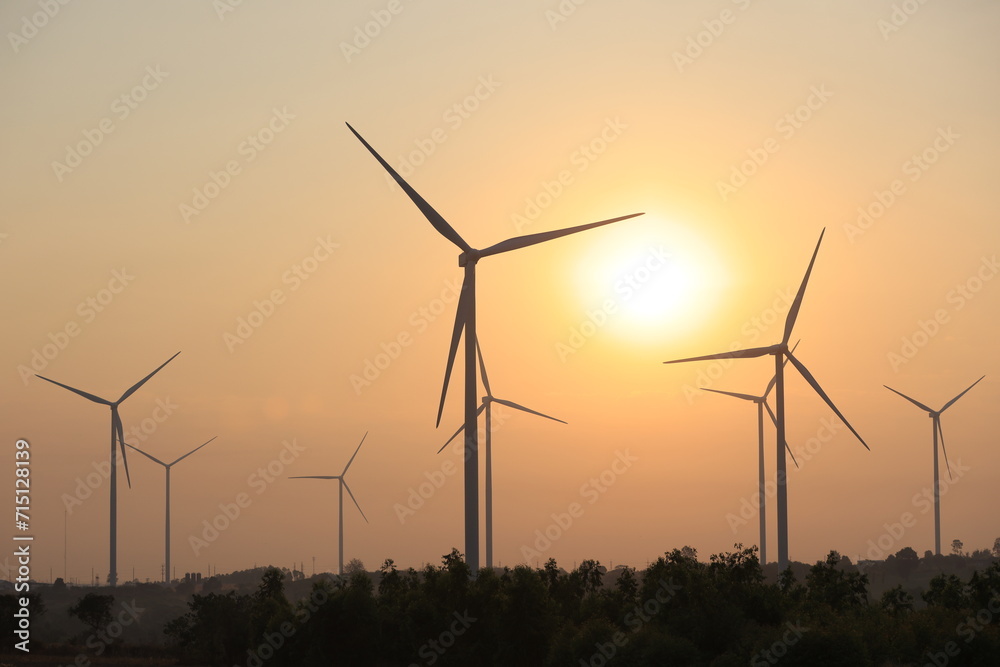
x,y
468,257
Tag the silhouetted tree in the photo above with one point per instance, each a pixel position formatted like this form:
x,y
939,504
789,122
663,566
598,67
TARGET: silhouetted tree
x,y
833,584
215,630
947,591
906,561
94,610
896,601
956,547
354,565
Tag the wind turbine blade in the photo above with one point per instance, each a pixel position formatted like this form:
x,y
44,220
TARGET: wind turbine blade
x,y
749,353
949,403
355,453
911,400
774,420
937,423
511,404
482,406
791,454
147,455
793,312
315,477
89,397
745,397
819,390
116,420
456,336
482,369
432,216
531,239
191,452
354,499
143,381
770,385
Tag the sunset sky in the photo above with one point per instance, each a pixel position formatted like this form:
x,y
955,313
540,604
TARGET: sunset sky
x,y
178,176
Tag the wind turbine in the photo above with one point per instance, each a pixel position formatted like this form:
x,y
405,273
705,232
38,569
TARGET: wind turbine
x,y
465,320
117,433
167,466
761,402
781,351
935,416
343,485
487,406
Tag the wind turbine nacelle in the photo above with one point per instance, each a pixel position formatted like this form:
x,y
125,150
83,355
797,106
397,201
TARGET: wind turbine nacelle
x,y
467,258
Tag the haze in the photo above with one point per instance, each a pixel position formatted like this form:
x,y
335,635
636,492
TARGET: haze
x,y
223,209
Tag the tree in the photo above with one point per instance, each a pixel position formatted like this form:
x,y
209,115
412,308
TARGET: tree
x,y
215,630
996,548
897,601
838,587
956,547
354,565
689,552
947,591
94,610
906,561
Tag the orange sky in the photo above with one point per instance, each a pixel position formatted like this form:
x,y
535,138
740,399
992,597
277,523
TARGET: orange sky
x,y
170,169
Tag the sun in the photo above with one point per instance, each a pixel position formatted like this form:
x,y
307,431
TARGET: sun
x,y
659,282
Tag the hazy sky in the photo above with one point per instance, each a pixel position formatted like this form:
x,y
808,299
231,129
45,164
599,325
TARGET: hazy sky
x,y
171,170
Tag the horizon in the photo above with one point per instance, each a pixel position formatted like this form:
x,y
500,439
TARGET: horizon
x,y
191,186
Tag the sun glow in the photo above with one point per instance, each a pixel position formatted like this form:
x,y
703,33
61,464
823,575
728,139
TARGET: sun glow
x,y
658,283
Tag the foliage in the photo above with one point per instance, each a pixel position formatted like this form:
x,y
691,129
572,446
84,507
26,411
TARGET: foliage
x,y
679,610
94,610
